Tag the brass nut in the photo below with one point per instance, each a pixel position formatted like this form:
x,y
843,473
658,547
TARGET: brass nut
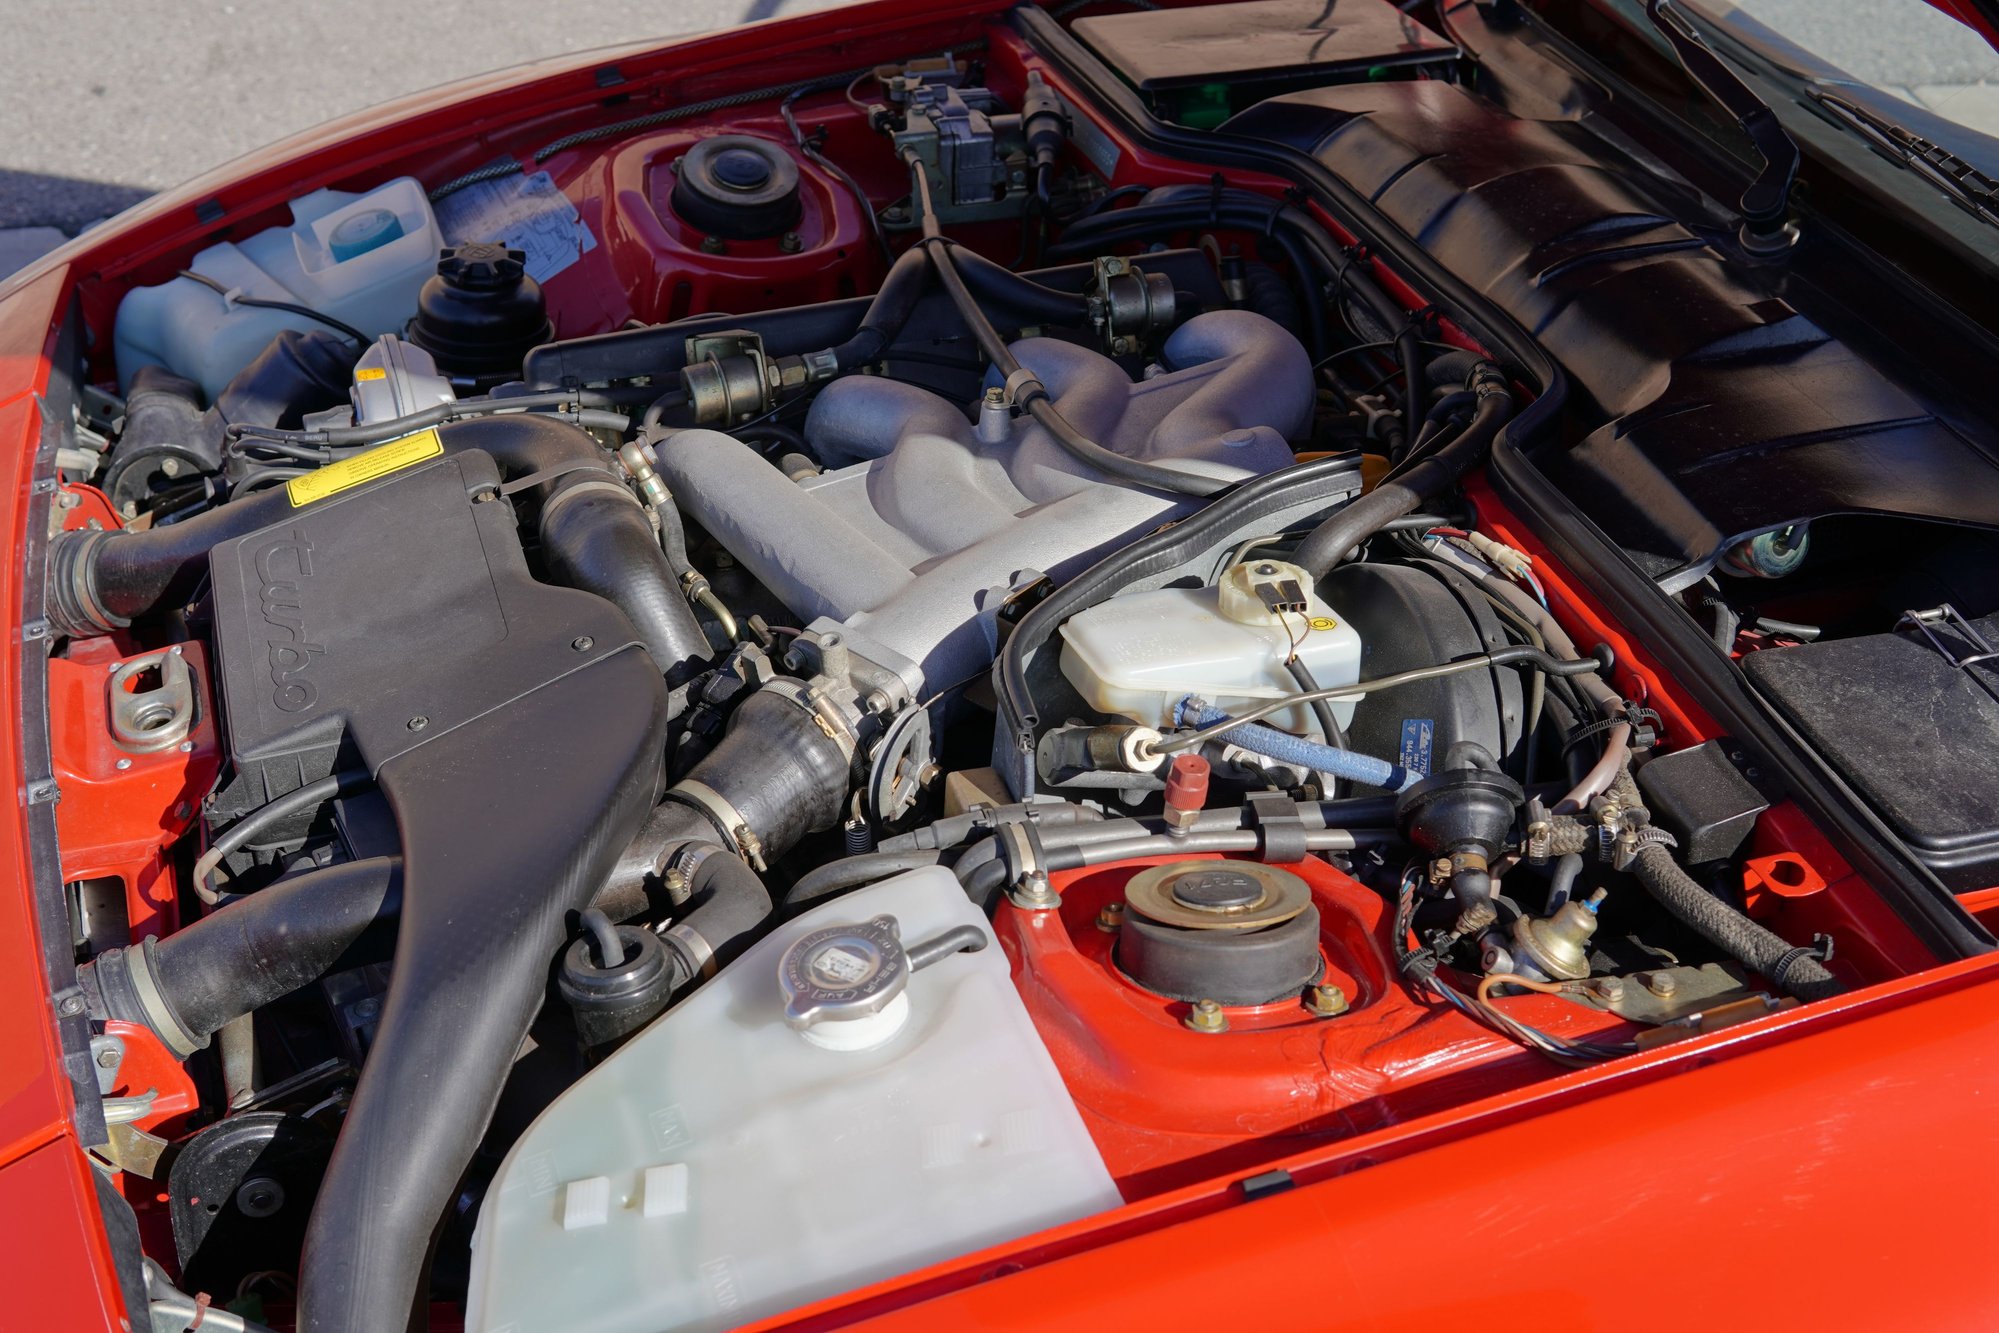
x,y
1610,988
1326,1001
1661,983
1111,918
1207,1016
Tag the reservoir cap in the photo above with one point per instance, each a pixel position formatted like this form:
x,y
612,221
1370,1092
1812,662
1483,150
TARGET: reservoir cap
x,y
358,233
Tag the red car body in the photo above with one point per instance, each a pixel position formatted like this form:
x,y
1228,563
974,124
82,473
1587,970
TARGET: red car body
x,y
1830,1165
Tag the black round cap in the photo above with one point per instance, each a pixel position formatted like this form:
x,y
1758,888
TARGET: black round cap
x,y
737,187
481,314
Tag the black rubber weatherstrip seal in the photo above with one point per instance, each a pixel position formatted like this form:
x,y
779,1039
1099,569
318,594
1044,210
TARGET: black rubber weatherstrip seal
x,y
58,409
1909,888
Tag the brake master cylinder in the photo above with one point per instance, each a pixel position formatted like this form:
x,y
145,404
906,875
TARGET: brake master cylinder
x,y
1228,643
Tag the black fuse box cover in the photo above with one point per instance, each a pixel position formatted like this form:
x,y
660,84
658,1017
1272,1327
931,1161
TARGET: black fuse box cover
x,y
377,620
1181,59
1702,800
1917,736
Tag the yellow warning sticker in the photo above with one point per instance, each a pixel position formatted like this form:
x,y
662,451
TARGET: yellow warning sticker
x,y
1324,622
367,373
364,467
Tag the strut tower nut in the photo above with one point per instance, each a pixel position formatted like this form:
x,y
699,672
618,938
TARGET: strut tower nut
x,y
1207,1016
1326,1001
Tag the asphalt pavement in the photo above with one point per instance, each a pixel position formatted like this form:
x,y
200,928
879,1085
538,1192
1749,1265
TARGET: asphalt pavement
x,y
106,101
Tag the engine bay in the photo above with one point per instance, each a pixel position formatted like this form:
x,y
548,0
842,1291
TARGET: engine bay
x,y
809,684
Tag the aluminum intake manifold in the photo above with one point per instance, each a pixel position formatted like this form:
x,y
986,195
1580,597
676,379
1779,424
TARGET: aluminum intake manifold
x,y
925,517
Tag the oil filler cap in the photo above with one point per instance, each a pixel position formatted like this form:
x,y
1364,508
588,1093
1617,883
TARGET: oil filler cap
x,y
843,985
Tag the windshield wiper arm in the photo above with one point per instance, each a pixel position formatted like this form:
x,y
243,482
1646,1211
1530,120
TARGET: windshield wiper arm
x,y
1951,174
1766,204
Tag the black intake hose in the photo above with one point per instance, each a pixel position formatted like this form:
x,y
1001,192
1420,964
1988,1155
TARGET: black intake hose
x,y
1425,477
894,302
592,528
775,777
186,986
727,904
1269,295
999,286
837,877
776,774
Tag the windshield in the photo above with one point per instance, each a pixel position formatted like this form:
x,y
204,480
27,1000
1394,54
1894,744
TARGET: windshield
x,y
1938,68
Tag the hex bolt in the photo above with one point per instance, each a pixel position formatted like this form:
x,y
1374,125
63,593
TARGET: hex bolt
x,y
1111,919
1610,988
1661,983
1207,1016
170,467
714,245
1035,894
108,1058
1326,1000
789,243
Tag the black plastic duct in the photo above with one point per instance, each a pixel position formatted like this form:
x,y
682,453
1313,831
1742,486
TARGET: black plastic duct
x,y
508,825
596,536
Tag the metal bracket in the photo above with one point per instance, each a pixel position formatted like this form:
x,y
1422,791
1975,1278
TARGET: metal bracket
x,y
1949,618
1020,846
146,721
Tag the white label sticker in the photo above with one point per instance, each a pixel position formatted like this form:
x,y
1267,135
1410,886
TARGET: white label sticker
x,y
841,965
528,213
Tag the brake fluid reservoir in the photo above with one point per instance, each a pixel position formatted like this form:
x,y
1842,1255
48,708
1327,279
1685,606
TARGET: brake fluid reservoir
x,y
849,1100
1141,654
360,258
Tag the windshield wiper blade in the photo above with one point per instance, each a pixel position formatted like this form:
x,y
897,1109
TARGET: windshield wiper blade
x,y
1977,192
1766,204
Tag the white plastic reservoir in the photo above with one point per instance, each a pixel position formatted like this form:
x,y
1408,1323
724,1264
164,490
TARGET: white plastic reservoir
x,y
360,258
724,1166
1139,655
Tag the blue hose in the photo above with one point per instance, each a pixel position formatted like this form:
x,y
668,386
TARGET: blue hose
x,y
1296,750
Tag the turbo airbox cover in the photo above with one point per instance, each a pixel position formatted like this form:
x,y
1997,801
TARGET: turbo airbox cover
x,y
378,619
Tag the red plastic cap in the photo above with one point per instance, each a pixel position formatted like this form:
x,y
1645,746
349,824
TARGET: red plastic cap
x,y
1187,783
